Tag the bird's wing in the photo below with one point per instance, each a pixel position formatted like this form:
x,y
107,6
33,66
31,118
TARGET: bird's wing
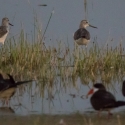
x,y
81,33
23,82
1,76
3,31
12,82
110,100
11,79
123,88
105,99
3,85
7,83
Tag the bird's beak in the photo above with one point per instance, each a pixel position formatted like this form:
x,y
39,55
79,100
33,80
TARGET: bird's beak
x,y
90,92
10,24
92,26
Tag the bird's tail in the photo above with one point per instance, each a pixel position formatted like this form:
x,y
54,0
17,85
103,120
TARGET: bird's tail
x,y
120,103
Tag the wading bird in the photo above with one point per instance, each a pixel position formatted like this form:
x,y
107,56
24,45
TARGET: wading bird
x,y
4,29
103,100
82,36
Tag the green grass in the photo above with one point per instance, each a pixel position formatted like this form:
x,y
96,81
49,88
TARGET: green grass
x,y
33,59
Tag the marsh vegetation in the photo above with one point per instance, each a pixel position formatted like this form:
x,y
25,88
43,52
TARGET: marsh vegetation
x,y
33,59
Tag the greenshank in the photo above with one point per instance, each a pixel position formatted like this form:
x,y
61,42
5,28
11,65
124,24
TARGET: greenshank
x,y
4,29
82,36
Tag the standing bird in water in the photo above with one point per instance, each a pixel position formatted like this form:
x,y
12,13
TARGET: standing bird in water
x,y
82,36
103,100
4,29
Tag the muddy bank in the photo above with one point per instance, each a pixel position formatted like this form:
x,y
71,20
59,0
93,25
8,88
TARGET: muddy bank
x,y
75,119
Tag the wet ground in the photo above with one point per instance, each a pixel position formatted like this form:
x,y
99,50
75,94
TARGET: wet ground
x,y
75,119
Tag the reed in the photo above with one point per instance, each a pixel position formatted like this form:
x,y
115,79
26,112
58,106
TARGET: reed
x,y
34,59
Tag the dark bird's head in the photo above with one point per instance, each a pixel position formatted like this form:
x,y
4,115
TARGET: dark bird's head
x,y
96,87
99,86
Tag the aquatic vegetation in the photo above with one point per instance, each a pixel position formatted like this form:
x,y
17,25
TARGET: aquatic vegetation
x,y
34,60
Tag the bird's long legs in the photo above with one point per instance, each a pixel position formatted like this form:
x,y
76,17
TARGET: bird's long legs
x,y
109,114
99,113
6,102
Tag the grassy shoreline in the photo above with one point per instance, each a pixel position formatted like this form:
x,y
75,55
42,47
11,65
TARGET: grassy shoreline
x,y
35,60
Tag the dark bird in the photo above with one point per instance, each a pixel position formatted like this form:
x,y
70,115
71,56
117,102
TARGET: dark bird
x,y
82,36
103,100
8,87
123,88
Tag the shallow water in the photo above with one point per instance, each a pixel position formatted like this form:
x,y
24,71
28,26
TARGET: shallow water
x,y
61,98
31,104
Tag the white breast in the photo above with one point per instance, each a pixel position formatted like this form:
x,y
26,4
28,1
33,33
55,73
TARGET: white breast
x,y
82,41
3,38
